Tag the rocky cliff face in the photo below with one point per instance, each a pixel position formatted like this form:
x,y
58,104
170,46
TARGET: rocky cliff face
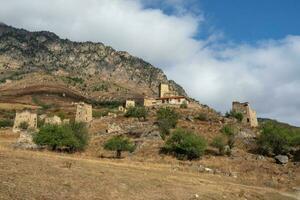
x,y
93,69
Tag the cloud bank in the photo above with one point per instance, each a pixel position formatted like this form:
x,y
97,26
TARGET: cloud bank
x,y
266,74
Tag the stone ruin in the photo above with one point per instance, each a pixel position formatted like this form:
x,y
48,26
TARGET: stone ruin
x,y
55,120
249,115
84,112
27,117
129,103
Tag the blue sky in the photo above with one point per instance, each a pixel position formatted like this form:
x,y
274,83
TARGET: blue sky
x,y
219,50
245,21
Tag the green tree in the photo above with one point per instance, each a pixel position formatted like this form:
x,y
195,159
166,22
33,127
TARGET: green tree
x,y
71,137
167,119
185,145
119,144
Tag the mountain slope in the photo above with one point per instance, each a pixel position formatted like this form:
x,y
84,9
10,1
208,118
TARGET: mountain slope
x,y
93,70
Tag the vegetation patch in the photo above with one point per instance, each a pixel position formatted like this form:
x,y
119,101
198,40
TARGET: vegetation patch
x,y
118,144
237,115
44,106
278,139
185,145
70,137
137,112
6,123
167,119
202,117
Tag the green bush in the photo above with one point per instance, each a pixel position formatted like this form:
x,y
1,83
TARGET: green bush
x,y
119,144
24,125
138,112
6,123
219,142
185,145
238,115
230,132
167,119
277,139
202,117
72,137
98,114
184,105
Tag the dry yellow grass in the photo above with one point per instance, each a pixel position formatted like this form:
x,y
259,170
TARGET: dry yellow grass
x,y
16,106
48,175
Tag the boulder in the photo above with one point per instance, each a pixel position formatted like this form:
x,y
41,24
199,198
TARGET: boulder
x,y
281,159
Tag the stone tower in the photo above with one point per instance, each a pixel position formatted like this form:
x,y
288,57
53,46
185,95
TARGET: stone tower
x,y
249,115
163,90
25,116
84,112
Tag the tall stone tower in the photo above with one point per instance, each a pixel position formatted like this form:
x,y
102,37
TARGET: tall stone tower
x,y
249,115
84,113
163,90
25,116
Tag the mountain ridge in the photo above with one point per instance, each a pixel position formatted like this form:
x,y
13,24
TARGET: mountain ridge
x,y
96,70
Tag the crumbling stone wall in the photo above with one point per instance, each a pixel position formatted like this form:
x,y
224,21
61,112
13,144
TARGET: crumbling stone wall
x,y
55,120
84,113
129,103
25,116
249,115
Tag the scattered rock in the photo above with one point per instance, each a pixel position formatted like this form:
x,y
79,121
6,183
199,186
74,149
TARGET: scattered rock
x,y
233,174
260,157
152,135
189,118
113,128
281,159
25,141
208,170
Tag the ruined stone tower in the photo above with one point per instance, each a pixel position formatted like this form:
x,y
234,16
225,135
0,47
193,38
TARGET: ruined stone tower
x,y
163,90
249,115
27,117
84,112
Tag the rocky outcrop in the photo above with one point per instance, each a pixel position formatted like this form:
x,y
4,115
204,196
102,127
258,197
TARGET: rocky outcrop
x,y
93,68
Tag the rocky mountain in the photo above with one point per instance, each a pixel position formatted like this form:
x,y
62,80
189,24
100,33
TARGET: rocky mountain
x,y
42,62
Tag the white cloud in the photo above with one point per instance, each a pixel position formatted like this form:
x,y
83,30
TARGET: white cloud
x,y
266,74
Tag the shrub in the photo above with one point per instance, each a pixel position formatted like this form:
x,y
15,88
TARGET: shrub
x,y
24,125
38,102
185,145
6,123
138,112
71,137
202,117
61,115
219,143
276,139
98,114
119,144
238,115
230,132
167,118
184,105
